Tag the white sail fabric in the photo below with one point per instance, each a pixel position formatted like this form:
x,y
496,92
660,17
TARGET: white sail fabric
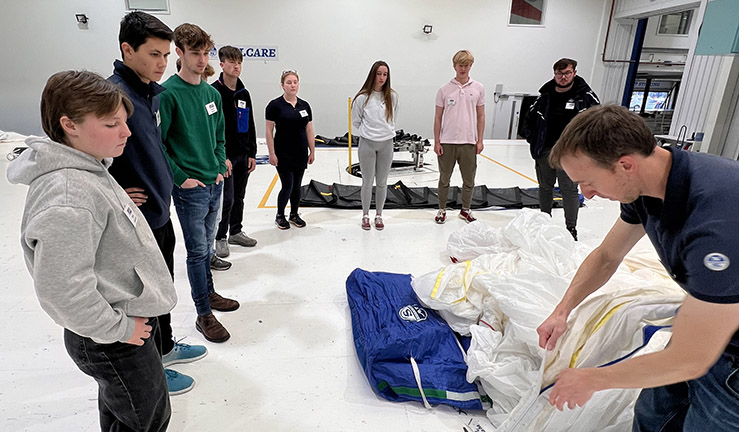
x,y
513,278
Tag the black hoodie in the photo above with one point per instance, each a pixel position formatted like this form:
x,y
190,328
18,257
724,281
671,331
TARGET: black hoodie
x,y
535,121
241,134
143,163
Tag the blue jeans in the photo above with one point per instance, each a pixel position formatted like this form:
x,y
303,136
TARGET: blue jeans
x,y
197,209
132,390
709,403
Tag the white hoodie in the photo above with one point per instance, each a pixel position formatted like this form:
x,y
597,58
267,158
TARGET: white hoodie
x,y
369,118
92,268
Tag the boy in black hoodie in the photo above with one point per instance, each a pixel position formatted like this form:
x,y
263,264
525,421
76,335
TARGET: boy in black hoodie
x,y
241,150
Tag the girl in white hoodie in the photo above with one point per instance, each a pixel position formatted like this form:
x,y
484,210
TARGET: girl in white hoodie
x,y
373,116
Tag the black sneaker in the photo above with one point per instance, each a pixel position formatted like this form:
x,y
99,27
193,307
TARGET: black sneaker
x,y
573,231
281,222
296,220
219,264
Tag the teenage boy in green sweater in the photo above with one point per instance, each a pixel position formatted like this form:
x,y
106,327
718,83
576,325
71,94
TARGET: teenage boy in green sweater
x,y
193,137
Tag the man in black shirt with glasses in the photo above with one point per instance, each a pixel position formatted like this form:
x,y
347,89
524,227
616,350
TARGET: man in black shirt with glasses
x,y
560,100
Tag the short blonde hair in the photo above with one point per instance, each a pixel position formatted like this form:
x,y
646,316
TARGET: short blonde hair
x,y
463,57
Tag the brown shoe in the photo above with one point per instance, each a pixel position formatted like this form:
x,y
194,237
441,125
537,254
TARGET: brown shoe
x,y
211,329
222,304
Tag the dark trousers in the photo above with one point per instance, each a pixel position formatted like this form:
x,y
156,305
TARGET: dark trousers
x,y
291,180
709,403
546,176
234,190
166,240
132,391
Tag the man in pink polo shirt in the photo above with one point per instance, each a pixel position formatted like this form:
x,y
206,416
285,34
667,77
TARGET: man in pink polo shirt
x,y
458,127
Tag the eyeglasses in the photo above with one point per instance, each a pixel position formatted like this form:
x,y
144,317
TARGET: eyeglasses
x,y
564,74
289,71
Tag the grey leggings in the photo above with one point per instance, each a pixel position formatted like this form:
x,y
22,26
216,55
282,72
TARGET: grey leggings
x,y
375,159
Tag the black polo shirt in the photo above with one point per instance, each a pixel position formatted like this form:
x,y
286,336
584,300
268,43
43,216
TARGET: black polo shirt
x,y
291,141
695,230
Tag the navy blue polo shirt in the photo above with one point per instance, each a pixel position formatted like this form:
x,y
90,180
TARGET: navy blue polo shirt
x,y
695,230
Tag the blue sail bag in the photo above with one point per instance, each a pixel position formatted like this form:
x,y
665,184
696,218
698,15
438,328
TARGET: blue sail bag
x,y
408,352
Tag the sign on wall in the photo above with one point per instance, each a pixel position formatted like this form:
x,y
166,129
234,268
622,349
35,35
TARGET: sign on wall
x,y
252,52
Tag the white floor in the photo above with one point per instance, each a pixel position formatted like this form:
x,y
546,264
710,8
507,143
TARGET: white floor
x,y
290,364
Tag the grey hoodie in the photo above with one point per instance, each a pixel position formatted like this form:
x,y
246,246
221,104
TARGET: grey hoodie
x,y
92,269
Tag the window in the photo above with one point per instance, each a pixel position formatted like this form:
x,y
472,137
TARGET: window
x,y
656,101
677,23
527,12
151,6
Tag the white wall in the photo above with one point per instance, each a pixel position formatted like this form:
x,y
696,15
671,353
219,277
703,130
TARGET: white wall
x,y
332,43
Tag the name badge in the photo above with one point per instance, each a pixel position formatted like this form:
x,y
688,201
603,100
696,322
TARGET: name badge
x,y
211,108
158,117
303,113
570,105
451,101
130,214
242,104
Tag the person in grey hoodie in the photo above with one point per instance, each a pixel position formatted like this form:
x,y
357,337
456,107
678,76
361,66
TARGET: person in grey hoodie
x,y
96,267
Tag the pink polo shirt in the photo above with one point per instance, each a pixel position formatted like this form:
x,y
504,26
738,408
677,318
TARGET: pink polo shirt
x,y
460,102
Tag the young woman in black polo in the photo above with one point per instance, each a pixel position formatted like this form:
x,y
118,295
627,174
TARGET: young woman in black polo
x,y
290,139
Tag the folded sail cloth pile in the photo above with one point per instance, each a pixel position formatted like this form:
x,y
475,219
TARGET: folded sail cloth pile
x,y
508,281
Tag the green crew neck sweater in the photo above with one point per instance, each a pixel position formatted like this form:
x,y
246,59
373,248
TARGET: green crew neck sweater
x,y
193,130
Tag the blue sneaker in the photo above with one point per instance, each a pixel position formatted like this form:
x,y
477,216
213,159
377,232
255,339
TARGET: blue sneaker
x,y
178,383
183,353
